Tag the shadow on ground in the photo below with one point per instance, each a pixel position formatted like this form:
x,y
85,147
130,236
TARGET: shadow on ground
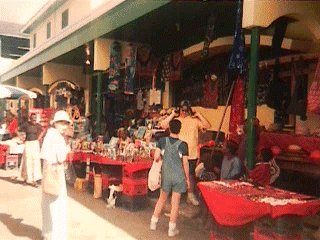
x,y
18,228
191,229
11,180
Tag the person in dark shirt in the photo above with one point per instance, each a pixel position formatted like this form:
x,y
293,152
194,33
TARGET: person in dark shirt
x,y
30,169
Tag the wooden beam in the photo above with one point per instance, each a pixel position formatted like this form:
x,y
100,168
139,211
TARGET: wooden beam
x,y
289,58
310,69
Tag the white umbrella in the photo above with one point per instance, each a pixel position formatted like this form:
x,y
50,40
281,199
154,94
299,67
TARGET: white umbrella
x,y
4,93
10,92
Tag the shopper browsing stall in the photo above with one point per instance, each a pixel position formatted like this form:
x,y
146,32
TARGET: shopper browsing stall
x,y
174,175
191,123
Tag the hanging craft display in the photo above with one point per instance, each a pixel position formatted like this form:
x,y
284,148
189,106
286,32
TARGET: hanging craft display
x,y
263,86
238,67
209,36
166,68
114,69
155,97
139,99
237,62
298,102
314,92
176,65
210,92
146,61
130,68
237,108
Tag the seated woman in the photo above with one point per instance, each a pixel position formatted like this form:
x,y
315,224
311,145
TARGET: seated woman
x,y
266,171
231,168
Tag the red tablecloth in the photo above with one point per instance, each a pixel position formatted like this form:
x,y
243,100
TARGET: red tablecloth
x,y
3,152
137,166
95,158
283,140
236,205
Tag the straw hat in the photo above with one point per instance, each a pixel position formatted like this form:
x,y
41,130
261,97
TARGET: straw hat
x,y
61,116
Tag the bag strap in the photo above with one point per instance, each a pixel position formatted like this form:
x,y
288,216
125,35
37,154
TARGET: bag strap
x,y
167,142
177,143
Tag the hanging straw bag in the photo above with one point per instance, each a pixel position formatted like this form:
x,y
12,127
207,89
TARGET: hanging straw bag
x,y
314,92
53,177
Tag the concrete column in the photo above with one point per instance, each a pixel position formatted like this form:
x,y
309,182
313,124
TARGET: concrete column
x,y
46,96
99,102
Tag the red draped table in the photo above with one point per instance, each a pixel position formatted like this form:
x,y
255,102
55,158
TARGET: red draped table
x,y
128,168
95,158
283,140
234,204
300,164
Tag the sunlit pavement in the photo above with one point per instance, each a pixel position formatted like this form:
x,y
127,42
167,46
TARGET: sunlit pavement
x,y
88,218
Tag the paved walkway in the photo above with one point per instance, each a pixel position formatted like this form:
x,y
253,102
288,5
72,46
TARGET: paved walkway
x,y
88,218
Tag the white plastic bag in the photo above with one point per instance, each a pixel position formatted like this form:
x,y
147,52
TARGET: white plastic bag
x,y
154,176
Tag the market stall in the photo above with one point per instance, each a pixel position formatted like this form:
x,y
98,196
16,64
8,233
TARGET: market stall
x,y
235,204
120,165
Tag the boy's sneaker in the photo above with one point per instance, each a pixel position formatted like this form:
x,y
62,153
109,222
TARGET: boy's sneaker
x,y
153,225
173,232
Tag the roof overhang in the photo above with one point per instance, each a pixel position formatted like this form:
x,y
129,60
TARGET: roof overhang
x,y
104,20
165,25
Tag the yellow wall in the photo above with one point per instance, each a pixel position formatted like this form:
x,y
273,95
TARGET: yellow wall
x,y
28,82
214,116
264,12
53,72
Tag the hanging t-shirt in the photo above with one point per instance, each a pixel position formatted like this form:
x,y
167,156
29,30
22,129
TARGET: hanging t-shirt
x,y
139,98
210,92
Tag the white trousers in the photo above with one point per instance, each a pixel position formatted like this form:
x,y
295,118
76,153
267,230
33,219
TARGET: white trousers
x,y
30,168
54,216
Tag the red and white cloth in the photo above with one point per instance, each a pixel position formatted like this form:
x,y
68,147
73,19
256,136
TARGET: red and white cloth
x,y
237,108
